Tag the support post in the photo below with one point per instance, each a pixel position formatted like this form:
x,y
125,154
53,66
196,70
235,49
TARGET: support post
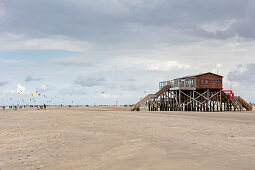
x,y
220,101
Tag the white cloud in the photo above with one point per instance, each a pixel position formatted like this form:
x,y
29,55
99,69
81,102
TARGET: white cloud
x,y
19,42
213,27
140,62
145,63
166,65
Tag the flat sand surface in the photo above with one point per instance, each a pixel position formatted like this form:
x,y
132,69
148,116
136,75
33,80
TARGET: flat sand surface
x,y
109,138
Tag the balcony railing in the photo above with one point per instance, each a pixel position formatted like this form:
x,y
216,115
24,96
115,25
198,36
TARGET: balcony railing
x,y
179,83
164,83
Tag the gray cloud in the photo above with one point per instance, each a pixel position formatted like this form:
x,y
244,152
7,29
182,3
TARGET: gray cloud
x,y
245,76
90,82
243,81
124,20
243,28
31,78
2,83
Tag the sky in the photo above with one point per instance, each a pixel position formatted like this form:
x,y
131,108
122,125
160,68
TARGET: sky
x,y
108,51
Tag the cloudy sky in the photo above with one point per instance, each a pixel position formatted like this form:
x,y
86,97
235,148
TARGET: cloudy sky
x,y
100,51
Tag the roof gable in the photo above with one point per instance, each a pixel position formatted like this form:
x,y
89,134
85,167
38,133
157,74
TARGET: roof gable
x,y
209,73
193,76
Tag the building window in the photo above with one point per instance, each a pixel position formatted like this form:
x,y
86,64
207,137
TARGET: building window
x,y
176,83
181,83
191,83
209,81
219,81
186,83
213,81
206,81
202,81
216,81
161,85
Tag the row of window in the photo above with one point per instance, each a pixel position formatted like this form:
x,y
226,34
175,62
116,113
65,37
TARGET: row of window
x,y
187,83
164,83
209,81
191,83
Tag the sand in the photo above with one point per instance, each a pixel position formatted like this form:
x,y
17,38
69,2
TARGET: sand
x,y
111,138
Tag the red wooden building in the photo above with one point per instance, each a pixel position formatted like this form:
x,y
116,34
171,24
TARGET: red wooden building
x,y
201,92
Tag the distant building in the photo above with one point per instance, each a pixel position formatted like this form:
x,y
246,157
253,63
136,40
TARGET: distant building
x,y
195,82
201,92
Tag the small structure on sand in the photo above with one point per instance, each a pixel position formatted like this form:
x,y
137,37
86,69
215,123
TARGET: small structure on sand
x,y
201,92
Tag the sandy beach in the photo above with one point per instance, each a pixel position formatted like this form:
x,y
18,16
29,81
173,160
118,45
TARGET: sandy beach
x,y
114,138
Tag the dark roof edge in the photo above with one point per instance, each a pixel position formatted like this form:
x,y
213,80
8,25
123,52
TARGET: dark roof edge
x,y
209,73
192,76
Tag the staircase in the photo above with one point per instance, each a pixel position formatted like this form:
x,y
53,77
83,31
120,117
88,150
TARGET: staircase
x,y
164,89
238,102
142,101
237,105
150,96
244,104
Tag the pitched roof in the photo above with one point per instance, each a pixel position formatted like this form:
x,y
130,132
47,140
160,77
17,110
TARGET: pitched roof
x,y
193,76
